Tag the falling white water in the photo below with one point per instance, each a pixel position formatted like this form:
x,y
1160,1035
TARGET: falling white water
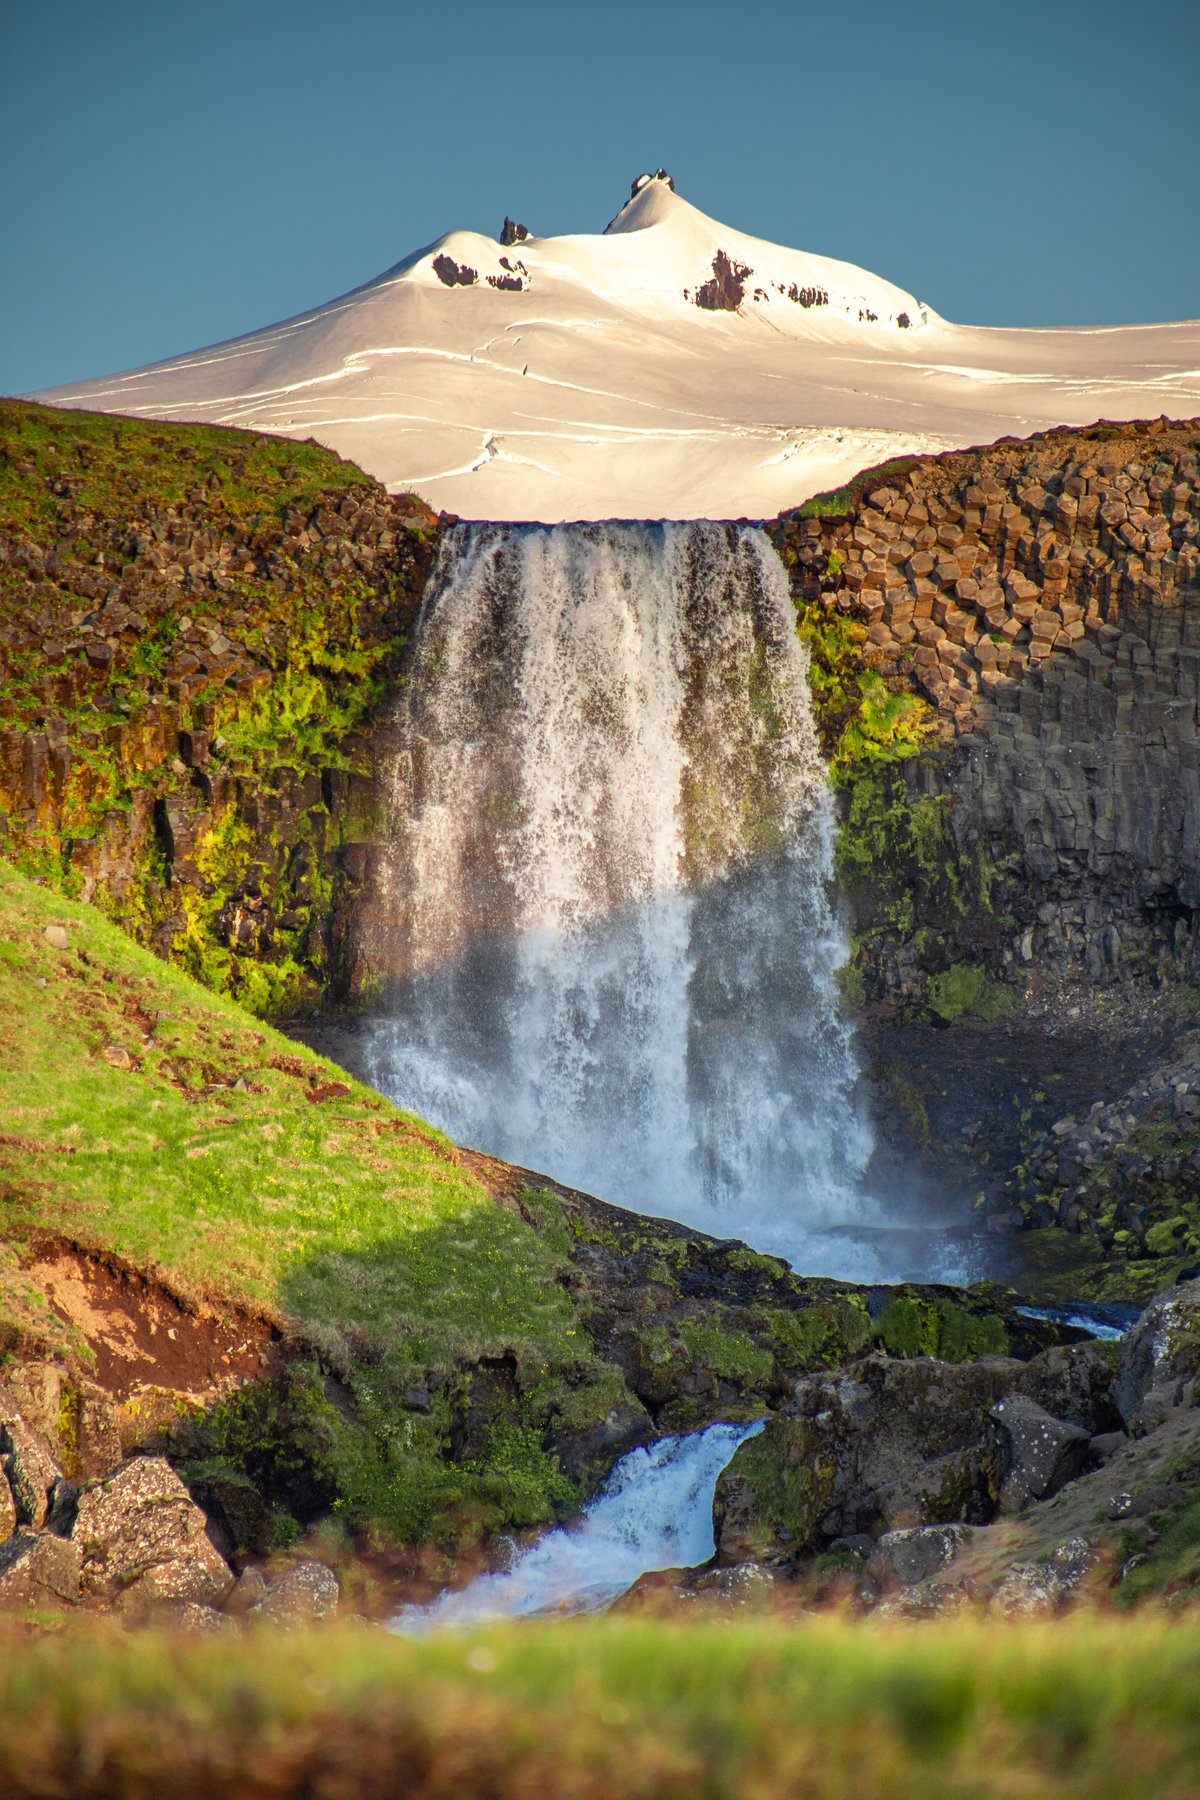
x,y
612,941
655,1511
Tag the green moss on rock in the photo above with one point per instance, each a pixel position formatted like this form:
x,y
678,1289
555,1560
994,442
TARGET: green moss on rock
x,y
771,1496
199,628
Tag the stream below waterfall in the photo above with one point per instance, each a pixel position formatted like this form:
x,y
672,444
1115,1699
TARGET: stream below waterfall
x,y
610,947
655,1511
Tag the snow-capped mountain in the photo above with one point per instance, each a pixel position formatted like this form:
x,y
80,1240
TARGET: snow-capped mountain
x,y
666,367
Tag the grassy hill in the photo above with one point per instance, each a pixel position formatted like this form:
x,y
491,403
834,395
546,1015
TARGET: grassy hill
x,y
146,1117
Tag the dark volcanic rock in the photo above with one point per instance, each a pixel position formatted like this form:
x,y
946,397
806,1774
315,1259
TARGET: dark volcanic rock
x,y
1160,1360
1037,1454
885,1445
725,290
454,274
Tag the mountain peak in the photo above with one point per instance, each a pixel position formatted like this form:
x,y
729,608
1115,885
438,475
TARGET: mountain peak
x,y
649,203
671,365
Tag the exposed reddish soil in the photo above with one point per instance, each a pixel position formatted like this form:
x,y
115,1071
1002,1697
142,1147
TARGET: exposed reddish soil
x,y
141,1334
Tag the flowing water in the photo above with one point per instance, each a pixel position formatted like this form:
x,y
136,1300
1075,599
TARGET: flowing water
x,y
655,1511
611,942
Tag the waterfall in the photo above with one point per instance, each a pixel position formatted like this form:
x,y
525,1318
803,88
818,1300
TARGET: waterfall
x,y
612,944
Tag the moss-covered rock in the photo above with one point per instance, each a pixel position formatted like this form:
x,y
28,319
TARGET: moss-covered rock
x,y
888,1443
200,628
770,1499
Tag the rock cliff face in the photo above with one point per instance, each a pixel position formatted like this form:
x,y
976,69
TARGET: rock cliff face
x,y
198,630
1006,650
1043,597
1019,1486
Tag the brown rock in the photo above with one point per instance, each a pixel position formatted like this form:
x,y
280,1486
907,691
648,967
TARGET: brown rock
x,y
248,1591
144,1539
8,1509
195,1619
36,1569
308,1591
30,1468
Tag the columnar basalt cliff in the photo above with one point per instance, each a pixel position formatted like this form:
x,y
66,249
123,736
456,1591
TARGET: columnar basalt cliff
x,y
199,629
1006,653
1042,598
203,635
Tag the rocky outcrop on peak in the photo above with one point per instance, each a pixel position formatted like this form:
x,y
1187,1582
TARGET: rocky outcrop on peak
x,y
640,181
514,276
807,297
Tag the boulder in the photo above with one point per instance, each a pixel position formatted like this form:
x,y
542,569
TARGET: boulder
x,y
902,1558
1044,1586
247,1591
195,1619
76,1417
30,1468
1037,1454
770,1498
38,1569
34,1391
144,1541
1074,1382
98,1445
1160,1360
308,1591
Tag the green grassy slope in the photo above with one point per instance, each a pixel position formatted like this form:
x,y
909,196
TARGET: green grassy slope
x,y
145,1116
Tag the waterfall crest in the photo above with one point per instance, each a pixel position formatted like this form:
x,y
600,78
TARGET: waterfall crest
x,y
614,950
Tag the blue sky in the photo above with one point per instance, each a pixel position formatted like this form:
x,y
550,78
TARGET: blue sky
x,y
172,175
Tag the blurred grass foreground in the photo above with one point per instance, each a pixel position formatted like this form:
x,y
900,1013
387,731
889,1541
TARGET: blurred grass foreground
x,y
1089,1707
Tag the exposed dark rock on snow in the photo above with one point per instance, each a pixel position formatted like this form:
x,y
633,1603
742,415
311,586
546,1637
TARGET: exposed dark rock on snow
x,y
453,274
725,289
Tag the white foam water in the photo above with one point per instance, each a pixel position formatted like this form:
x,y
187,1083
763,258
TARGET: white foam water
x,y
655,1511
612,946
